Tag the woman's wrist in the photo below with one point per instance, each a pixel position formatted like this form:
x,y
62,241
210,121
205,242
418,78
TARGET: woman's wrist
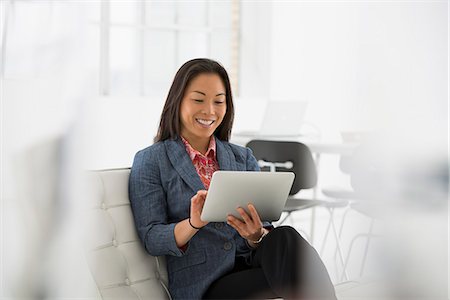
x,y
263,234
193,226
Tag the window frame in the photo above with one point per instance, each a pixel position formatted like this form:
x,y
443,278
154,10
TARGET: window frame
x,y
105,36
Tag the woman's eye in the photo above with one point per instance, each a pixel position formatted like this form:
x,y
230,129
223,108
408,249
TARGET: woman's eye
x,y
220,102
198,100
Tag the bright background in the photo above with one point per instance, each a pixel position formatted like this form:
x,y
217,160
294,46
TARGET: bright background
x,y
83,84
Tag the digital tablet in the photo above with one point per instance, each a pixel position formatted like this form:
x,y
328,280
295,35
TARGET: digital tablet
x,y
228,190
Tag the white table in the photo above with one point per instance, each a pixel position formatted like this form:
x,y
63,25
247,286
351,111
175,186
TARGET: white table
x,y
317,147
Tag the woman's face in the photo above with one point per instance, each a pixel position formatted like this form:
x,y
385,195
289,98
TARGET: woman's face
x,y
203,107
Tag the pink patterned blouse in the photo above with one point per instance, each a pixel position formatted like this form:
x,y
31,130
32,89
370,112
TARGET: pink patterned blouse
x,y
205,165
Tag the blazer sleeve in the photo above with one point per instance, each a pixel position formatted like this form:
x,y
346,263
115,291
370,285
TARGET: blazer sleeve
x,y
148,203
252,164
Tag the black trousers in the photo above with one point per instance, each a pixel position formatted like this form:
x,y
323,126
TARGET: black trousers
x,y
284,265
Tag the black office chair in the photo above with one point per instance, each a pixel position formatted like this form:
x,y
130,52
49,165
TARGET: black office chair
x,y
277,156
295,157
283,156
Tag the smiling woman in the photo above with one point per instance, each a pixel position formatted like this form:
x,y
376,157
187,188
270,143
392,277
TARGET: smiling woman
x,y
202,110
200,87
238,259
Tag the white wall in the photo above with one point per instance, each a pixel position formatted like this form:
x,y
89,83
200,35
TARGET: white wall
x,y
361,65
255,39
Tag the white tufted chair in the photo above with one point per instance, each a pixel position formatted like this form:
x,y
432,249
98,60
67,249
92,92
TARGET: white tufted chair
x,y
121,267
119,264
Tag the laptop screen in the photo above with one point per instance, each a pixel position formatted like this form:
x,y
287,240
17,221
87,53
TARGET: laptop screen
x,y
283,118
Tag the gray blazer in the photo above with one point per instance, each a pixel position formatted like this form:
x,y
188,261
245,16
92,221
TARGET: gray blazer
x,y
162,183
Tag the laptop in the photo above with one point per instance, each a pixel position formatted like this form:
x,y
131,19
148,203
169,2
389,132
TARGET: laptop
x,y
281,119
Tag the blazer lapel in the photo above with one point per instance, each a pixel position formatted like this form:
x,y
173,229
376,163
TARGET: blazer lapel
x,y
225,157
182,163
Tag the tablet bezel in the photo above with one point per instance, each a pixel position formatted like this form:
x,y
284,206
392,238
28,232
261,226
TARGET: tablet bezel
x,y
228,190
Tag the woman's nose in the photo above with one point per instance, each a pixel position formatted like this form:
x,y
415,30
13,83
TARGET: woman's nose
x,y
208,108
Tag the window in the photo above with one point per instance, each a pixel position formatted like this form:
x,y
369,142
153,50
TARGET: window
x,y
143,43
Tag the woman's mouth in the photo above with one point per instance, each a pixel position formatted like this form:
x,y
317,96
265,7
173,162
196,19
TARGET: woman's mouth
x,y
205,123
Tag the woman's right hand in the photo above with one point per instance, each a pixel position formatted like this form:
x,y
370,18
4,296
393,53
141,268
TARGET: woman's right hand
x,y
197,203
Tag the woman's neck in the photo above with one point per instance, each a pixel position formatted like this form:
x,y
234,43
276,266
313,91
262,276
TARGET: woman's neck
x,y
201,145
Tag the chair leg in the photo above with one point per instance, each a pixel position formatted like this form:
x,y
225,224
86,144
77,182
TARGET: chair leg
x,y
348,255
344,217
368,236
367,247
336,250
338,243
325,237
341,229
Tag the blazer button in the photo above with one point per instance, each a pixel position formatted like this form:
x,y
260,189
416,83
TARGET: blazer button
x,y
218,225
227,246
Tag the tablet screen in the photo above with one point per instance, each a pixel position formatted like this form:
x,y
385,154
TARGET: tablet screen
x,y
267,191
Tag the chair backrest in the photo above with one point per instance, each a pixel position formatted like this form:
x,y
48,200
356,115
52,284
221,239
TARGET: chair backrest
x,y
121,267
295,152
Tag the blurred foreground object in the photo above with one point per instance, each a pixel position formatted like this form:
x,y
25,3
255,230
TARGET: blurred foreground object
x,y
43,257
405,189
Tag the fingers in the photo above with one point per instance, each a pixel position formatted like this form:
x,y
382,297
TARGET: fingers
x,y
202,193
237,224
254,214
244,215
197,203
253,218
250,226
200,197
235,221
240,225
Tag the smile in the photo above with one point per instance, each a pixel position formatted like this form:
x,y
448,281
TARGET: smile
x,y
204,122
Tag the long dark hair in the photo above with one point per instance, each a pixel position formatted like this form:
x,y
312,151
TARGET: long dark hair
x,y
169,125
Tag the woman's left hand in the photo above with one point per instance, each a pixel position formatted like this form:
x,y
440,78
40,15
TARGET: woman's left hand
x,y
251,226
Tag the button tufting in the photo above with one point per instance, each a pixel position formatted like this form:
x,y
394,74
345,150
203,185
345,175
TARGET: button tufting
x,y
103,205
127,281
157,275
114,243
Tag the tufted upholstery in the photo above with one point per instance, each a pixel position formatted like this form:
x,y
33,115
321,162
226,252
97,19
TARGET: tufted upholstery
x,y
121,267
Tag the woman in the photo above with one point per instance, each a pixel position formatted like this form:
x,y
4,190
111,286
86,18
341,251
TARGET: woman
x,y
168,185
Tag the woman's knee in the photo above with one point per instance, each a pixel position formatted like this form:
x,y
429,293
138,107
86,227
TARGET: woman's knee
x,y
286,233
